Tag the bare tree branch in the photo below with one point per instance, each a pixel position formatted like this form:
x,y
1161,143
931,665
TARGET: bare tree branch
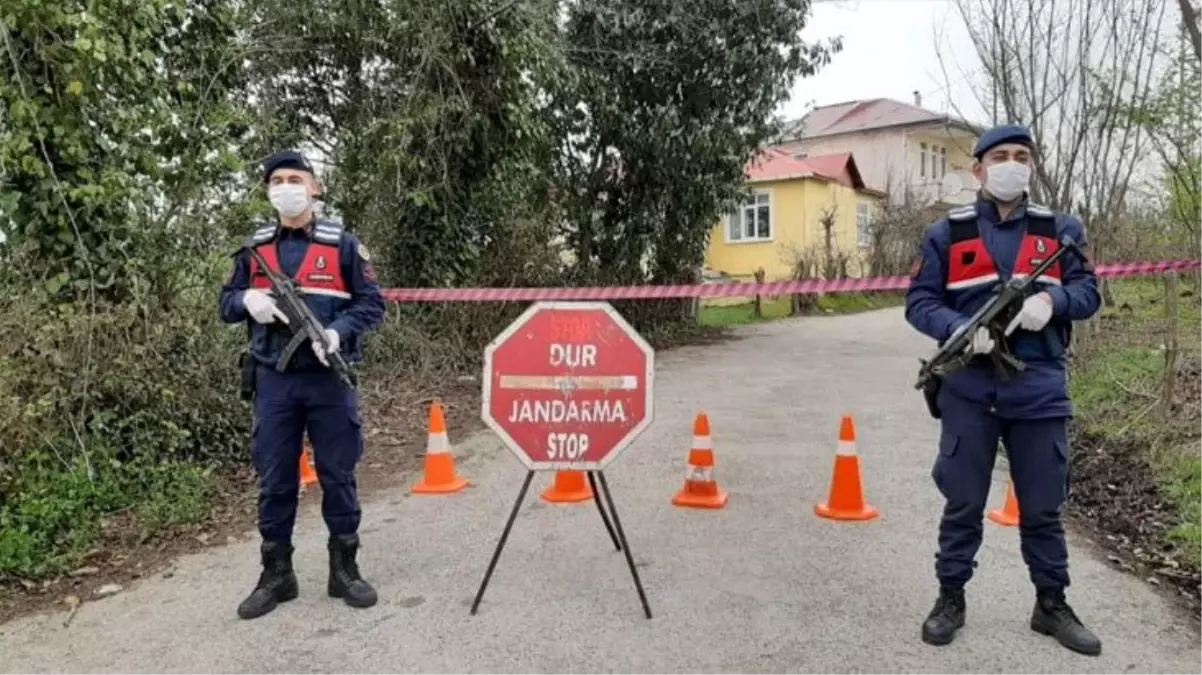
x,y
1190,18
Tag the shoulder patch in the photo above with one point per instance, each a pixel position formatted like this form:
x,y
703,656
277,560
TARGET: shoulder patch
x,y
1040,210
327,232
962,213
263,234
362,250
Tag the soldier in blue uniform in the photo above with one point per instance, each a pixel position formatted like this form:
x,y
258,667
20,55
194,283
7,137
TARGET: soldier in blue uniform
x,y
963,257
334,272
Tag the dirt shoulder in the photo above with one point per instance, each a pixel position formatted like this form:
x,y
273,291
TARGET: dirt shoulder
x,y
1136,478
1119,503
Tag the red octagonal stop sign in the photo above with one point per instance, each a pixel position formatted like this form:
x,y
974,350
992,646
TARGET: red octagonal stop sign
x,y
568,385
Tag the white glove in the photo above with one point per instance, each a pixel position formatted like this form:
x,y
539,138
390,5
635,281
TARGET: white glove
x,y
1034,315
333,339
981,342
261,307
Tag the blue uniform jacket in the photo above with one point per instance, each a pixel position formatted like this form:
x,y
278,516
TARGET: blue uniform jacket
x,y
1041,391
350,318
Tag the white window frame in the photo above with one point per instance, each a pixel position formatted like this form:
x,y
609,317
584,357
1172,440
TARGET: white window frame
x,y
942,162
922,164
864,224
752,204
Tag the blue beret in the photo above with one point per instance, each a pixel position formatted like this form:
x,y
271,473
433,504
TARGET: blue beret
x,y
1005,133
288,159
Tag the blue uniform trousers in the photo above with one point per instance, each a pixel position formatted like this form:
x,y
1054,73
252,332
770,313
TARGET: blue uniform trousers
x,y
1038,454
286,405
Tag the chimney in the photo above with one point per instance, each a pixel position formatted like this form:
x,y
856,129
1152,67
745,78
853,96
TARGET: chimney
x,y
917,98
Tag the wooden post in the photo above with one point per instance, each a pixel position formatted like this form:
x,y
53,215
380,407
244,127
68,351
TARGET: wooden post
x,y
759,279
1170,343
693,308
796,299
1095,322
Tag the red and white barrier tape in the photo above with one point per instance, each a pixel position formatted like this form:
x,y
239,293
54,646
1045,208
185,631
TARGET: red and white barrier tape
x,y
806,287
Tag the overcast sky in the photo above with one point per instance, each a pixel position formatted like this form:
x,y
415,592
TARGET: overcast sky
x,y
889,50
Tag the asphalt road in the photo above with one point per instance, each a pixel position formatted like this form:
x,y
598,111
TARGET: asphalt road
x,y
761,586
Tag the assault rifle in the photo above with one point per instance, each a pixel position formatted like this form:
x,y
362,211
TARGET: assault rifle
x,y
301,321
994,316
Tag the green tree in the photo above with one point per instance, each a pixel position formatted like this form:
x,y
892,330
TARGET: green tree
x,y
120,129
428,114
667,103
116,113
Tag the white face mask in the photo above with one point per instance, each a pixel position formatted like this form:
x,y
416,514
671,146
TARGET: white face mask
x,y
1007,181
289,199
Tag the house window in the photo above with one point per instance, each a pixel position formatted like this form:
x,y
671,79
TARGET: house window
x,y
942,162
922,165
864,224
752,221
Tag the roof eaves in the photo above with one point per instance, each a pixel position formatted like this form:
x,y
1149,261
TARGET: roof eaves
x,y
944,121
948,121
784,177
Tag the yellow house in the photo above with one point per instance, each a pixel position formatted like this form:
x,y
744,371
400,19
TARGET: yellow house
x,y
811,212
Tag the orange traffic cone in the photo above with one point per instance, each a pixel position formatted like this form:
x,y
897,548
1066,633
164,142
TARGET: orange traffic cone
x,y
569,486
700,490
1008,514
440,477
846,501
308,475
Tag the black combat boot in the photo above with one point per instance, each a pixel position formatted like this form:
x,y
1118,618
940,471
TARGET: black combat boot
x,y
946,617
1052,616
345,581
276,584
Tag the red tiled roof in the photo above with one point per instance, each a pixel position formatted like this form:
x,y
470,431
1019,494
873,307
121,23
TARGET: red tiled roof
x,y
830,165
877,113
777,164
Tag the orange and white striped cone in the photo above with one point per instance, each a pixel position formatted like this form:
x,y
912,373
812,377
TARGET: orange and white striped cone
x,y
700,490
846,500
440,477
308,474
1008,514
568,487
